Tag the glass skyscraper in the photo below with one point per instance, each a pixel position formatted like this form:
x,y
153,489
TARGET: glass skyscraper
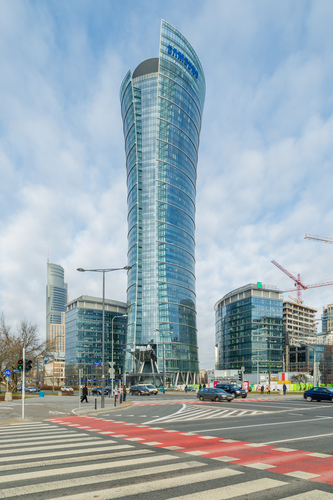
x,y
161,104
249,330
56,296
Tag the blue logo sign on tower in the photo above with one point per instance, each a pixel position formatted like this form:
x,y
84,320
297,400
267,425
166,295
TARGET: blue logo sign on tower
x,y
176,53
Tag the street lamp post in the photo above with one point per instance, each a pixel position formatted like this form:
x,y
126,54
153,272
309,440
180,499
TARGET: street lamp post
x,y
112,368
127,268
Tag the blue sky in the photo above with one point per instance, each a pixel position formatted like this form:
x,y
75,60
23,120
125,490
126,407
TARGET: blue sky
x,y
265,158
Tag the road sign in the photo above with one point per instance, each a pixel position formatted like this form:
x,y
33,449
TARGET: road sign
x,y
17,371
7,373
97,363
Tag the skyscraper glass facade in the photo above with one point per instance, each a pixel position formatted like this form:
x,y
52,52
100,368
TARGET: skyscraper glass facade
x,y
161,105
56,295
84,335
249,330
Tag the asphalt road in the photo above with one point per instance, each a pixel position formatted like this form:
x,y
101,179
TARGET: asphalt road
x,y
168,446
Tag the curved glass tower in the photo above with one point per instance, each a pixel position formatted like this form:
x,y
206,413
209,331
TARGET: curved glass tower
x,y
161,105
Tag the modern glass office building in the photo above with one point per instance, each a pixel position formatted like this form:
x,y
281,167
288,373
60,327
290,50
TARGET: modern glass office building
x,y
161,104
84,337
249,330
56,295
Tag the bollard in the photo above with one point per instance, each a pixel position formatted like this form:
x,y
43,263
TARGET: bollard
x,y
115,400
121,398
95,403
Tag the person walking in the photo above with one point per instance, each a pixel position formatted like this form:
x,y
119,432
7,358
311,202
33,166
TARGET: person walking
x,y
124,393
262,389
284,389
199,387
84,394
186,389
268,389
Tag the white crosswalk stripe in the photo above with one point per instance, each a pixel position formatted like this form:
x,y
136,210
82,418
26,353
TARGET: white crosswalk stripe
x,y
108,469
194,412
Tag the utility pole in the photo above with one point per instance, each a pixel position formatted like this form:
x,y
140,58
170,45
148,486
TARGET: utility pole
x,y
23,382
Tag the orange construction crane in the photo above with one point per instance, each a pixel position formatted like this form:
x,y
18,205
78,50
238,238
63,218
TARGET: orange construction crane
x,y
318,238
299,285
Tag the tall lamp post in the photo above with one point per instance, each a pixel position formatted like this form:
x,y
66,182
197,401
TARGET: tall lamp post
x,y
112,367
127,268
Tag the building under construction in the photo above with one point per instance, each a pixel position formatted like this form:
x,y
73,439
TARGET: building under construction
x,y
298,322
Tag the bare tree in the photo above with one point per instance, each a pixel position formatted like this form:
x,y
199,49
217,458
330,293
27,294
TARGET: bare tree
x,y
11,347
299,378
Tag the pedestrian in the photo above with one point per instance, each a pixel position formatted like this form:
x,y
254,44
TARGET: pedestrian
x,y
199,387
124,393
186,389
262,389
204,386
268,389
84,394
284,389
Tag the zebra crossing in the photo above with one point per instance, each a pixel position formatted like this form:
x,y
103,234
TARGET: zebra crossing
x,y
193,412
82,466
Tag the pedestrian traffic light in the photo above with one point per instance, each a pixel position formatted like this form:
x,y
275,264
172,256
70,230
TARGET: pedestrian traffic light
x,y
20,365
240,376
28,365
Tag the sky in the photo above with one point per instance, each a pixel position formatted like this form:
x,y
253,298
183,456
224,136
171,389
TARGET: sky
x,y
265,159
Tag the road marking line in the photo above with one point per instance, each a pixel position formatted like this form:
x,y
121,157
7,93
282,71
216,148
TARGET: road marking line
x,y
30,440
85,458
153,443
197,452
225,459
302,475
104,446
157,484
311,495
229,441
87,468
120,435
234,490
284,450
100,478
263,425
174,448
72,444
300,438
135,439
260,466
320,455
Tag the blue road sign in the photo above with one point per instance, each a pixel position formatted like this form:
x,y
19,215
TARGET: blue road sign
x,y
17,371
7,373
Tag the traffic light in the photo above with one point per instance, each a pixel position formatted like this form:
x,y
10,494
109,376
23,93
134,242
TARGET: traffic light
x,y
28,365
20,365
240,376
311,372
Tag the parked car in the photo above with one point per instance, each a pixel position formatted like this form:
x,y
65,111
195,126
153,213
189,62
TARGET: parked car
x,y
32,389
151,388
233,389
66,388
174,388
319,394
193,389
97,391
139,390
214,395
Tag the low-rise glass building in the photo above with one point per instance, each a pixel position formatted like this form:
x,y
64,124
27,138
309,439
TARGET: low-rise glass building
x,y
249,329
84,337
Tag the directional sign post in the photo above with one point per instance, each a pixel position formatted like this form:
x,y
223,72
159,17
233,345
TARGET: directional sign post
x,y
7,375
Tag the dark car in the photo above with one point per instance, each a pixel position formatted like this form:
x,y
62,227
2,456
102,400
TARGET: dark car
x,y
139,390
214,395
31,389
97,391
233,389
193,389
319,394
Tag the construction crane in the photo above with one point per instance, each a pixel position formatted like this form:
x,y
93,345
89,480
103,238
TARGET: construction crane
x,y
318,238
299,302
299,285
298,341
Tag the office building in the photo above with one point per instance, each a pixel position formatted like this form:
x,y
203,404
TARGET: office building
x,y
298,322
56,297
161,104
84,318
249,330
327,319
